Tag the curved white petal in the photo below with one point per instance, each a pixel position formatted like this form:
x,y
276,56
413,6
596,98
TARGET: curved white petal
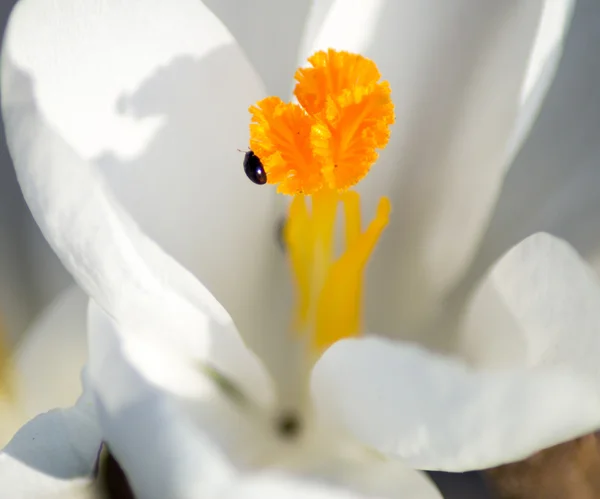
x,y
158,411
463,87
539,305
166,423
53,455
48,277
546,52
275,486
269,33
380,477
30,274
51,355
155,94
554,182
435,413
46,363
112,260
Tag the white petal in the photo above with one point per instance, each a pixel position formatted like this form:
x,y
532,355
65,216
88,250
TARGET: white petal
x,y
269,33
539,305
554,182
47,363
125,272
275,486
47,275
381,478
435,413
211,437
51,354
545,55
31,273
156,94
462,86
158,411
342,25
83,49
52,456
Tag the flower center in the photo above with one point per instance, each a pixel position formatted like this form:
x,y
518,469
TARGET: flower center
x,y
316,150
289,425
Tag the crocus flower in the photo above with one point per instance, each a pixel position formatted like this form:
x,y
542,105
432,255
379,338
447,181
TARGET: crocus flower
x,y
200,390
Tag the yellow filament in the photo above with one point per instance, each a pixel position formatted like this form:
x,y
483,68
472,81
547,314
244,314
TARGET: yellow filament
x,y
299,237
330,289
352,213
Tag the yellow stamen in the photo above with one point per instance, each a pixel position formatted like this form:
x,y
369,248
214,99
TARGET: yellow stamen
x,y
300,241
352,213
316,151
339,303
330,289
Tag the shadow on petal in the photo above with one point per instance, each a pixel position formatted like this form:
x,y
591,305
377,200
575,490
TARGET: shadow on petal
x,y
188,192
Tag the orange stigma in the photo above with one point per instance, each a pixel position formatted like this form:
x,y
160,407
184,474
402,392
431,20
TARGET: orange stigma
x,y
329,140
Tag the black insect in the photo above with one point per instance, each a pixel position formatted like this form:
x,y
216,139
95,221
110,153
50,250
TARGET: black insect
x,y
254,168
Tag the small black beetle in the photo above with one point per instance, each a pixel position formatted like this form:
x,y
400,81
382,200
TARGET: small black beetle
x,y
254,168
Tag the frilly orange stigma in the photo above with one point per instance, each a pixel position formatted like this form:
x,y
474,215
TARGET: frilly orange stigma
x,y
330,139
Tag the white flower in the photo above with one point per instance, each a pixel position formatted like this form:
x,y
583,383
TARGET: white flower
x,y
101,117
